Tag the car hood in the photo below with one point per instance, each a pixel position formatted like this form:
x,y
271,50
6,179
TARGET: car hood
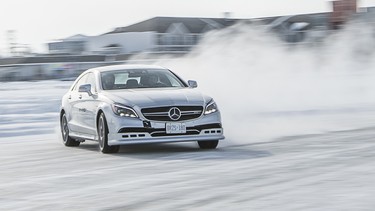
x,y
144,98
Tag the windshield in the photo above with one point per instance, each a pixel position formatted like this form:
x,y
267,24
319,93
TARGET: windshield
x,y
140,78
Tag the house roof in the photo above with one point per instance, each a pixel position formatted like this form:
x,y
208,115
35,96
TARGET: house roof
x,y
161,24
74,38
77,37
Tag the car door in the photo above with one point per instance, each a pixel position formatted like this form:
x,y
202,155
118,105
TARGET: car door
x,y
88,106
75,101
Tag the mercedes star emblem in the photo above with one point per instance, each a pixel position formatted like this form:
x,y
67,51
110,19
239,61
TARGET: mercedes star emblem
x,y
174,113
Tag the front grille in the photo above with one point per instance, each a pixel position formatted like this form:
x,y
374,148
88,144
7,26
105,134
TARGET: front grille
x,y
157,132
161,113
188,132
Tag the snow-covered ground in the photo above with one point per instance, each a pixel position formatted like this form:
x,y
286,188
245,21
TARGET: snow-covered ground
x,y
30,108
320,167
324,172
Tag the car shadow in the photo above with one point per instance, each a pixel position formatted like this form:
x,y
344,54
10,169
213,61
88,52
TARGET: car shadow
x,y
190,151
89,146
181,151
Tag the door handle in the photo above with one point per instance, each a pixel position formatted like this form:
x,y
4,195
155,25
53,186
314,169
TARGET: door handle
x,y
80,96
70,97
82,109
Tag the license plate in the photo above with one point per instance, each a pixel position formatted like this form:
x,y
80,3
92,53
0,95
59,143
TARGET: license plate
x,y
175,128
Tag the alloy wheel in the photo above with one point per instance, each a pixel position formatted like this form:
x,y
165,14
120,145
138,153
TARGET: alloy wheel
x,y
101,132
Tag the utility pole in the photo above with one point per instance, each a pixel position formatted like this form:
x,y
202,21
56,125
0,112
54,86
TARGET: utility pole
x,y
12,44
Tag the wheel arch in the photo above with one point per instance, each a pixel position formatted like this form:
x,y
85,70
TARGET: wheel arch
x,y
103,108
100,111
62,112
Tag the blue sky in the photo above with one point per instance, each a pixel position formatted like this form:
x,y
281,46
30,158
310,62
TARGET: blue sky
x,y
39,21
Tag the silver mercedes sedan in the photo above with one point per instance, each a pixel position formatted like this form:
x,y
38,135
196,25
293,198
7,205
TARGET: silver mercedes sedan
x,y
137,104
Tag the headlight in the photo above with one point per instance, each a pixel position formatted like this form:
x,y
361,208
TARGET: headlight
x,y
124,111
211,108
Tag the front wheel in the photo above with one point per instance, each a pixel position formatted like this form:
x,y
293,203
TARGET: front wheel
x,y
208,144
103,136
67,140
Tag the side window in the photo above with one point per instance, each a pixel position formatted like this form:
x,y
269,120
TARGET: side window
x,y
91,80
173,81
80,82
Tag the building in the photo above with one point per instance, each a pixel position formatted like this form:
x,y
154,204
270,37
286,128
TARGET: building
x,y
168,34
74,45
49,67
343,10
155,35
300,28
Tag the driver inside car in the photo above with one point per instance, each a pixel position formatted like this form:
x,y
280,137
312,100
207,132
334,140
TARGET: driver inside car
x,y
108,81
149,80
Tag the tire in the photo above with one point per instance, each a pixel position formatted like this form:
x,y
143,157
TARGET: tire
x,y
102,130
208,144
67,140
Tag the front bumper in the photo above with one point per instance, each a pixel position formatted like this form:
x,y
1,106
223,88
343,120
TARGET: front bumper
x,y
126,131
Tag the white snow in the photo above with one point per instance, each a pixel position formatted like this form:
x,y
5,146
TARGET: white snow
x,y
30,108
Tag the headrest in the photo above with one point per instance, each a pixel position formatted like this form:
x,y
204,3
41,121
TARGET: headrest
x,y
131,83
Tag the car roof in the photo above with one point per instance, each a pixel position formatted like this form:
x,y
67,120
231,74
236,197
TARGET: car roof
x,y
126,67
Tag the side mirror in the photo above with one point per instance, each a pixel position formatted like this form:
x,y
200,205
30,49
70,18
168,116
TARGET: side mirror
x,y
85,88
192,84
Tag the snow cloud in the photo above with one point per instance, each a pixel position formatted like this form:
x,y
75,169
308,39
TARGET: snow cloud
x,y
266,88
